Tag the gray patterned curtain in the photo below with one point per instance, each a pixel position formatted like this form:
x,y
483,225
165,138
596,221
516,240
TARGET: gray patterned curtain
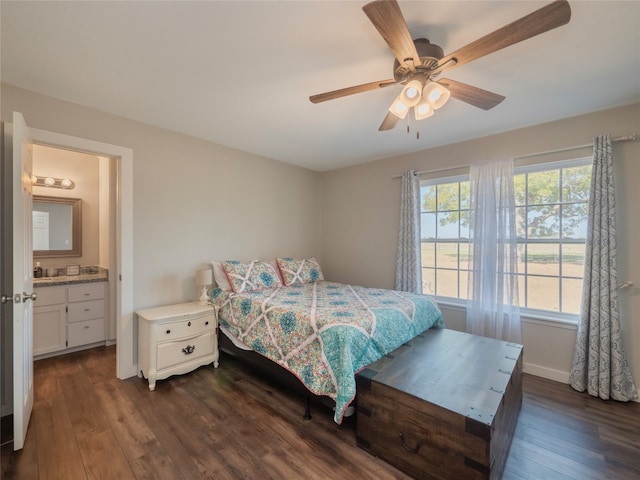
x,y
599,364
408,271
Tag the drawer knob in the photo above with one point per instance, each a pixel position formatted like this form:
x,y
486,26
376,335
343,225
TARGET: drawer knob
x,y
188,350
206,323
87,309
407,447
189,324
168,332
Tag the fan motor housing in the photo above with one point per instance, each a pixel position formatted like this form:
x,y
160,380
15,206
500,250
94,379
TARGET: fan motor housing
x,y
430,54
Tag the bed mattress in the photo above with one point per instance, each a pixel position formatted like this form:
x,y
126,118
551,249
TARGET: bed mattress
x,y
325,332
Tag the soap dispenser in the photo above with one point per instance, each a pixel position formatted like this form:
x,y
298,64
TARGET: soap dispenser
x,y
37,271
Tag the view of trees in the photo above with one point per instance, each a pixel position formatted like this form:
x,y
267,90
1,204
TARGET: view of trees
x,y
557,199
551,223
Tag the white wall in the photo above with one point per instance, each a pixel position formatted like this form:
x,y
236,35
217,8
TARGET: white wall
x,y
83,170
194,201
360,219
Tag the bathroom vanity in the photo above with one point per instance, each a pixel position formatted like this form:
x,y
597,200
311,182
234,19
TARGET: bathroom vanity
x,y
69,313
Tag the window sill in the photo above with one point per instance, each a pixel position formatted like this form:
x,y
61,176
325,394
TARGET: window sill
x,y
526,316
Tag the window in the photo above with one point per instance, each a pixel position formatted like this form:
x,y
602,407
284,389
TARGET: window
x,y
444,234
551,212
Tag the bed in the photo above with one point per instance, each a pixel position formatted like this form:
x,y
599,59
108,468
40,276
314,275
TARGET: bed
x,y
322,332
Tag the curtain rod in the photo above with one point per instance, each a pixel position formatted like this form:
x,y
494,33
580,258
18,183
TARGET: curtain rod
x,y
628,138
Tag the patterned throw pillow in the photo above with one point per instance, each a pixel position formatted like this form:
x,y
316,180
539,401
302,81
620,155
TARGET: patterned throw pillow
x,y
249,276
299,271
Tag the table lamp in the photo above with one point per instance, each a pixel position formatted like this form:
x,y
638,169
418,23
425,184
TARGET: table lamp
x,y
204,278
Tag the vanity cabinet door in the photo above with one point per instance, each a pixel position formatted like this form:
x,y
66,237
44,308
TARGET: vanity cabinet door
x,y
49,328
49,320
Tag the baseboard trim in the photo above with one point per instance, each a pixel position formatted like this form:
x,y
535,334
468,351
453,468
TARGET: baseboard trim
x,y
546,372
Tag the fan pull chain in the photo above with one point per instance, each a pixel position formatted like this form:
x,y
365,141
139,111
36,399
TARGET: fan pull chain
x,y
409,130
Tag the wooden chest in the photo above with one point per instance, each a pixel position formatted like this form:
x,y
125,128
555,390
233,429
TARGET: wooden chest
x,y
442,406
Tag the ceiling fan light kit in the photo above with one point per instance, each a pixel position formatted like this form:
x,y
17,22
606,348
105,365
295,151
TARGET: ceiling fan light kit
x,y
418,63
424,98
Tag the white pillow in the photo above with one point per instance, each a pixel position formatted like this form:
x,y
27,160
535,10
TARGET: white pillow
x,y
220,277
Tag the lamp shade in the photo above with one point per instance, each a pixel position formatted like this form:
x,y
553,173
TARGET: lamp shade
x,y
204,277
423,110
436,94
399,108
410,94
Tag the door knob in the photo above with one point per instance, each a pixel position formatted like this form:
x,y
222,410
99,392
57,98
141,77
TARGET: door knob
x,y
26,296
8,298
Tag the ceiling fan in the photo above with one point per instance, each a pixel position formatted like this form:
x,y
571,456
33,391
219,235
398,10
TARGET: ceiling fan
x,y
419,62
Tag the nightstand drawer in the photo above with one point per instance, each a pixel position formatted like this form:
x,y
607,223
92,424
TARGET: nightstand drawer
x,y
175,353
82,333
184,328
86,310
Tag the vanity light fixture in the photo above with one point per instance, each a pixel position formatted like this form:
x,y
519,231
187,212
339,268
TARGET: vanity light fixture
x,y
52,182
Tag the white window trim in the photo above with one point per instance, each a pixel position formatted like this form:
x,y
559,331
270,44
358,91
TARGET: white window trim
x,y
529,314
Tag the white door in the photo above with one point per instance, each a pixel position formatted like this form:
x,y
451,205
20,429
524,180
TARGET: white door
x,y
22,281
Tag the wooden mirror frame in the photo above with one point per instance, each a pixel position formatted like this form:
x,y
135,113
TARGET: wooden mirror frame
x,y
76,225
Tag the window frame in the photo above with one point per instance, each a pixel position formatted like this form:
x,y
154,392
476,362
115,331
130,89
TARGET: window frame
x,y
528,312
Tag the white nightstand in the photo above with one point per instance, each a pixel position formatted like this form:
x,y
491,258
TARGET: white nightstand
x,y
176,339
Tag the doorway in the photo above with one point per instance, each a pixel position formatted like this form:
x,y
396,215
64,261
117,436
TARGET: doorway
x,y
121,159
61,238
122,258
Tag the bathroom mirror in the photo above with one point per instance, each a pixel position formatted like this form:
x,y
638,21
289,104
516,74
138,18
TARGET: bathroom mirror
x,y
57,226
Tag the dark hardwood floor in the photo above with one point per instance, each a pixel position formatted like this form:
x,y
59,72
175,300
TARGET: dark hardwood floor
x,y
229,423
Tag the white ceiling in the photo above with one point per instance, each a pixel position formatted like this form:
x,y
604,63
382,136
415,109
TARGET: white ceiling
x,y
239,73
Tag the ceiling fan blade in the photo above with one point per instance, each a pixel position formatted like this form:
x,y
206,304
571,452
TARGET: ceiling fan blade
x,y
387,17
389,122
343,92
472,95
546,18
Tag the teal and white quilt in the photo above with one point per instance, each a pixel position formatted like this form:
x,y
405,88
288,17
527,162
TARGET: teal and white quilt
x,y
324,332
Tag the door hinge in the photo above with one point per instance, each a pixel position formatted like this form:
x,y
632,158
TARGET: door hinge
x,y
66,343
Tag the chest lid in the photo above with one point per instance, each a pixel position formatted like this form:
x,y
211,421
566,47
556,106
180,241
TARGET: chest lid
x,y
463,373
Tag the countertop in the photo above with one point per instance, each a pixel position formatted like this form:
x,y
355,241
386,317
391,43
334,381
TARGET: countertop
x,y
70,279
